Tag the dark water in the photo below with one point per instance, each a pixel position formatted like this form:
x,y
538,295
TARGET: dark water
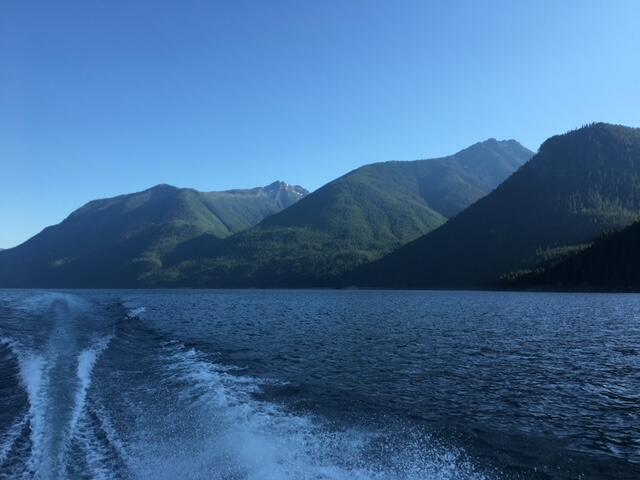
x,y
319,385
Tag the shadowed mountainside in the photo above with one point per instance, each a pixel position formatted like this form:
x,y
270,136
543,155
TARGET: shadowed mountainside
x,y
579,185
612,262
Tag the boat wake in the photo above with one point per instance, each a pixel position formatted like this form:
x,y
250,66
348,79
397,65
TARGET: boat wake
x,y
111,399
55,378
229,434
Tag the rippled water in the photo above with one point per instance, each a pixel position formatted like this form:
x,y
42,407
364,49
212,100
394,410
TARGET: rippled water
x,y
319,385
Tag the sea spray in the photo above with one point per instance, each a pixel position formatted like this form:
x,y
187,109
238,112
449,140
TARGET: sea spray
x,y
55,373
32,377
255,439
9,438
86,361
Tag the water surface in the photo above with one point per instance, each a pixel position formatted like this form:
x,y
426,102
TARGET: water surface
x,y
319,385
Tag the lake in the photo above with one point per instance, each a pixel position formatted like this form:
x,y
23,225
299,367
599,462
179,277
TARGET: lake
x,y
319,385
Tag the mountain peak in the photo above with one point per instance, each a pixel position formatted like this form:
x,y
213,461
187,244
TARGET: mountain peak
x,y
279,186
494,142
493,152
161,186
591,143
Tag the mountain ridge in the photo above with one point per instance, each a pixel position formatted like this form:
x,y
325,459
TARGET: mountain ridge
x,y
578,185
352,219
118,240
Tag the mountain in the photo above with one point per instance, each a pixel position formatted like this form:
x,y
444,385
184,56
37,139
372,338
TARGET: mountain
x,y
612,262
349,221
579,185
119,241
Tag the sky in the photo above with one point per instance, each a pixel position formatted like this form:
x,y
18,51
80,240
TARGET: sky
x,y
99,98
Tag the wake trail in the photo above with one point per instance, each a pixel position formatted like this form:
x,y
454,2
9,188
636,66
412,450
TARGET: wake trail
x,y
32,375
47,374
257,439
86,362
9,438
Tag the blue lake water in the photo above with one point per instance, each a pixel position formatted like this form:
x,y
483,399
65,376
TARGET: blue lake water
x,y
319,385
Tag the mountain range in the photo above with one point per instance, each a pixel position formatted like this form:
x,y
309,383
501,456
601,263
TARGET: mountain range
x,y
119,241
578,186
350,221
493,215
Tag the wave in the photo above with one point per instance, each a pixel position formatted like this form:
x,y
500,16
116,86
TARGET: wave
x,y
32,367
10,437
32,376
86,361
45,406
102,455
42,301
135,312
243,437
48,372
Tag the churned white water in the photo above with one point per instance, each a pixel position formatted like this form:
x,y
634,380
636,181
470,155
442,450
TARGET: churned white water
x,y
242,437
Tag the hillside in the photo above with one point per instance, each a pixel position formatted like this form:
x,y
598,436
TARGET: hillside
x,y
120,241
578,186
351,220
612,262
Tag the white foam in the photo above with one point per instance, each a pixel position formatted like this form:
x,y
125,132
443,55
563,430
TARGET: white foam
x,y
96,457
41,301
34,373
134,312
86,361
112,437
8,439
32,376
259,440
46,374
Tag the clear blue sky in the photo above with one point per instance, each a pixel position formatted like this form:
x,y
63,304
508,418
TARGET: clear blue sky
x,y
105,97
